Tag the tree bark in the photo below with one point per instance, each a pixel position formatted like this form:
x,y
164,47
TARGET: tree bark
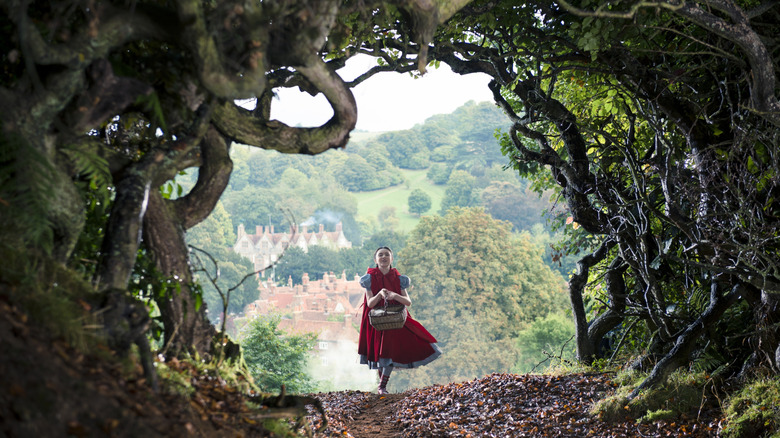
x,y
586,349
616,291
184,320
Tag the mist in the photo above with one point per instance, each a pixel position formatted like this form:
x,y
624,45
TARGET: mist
x,y
338,369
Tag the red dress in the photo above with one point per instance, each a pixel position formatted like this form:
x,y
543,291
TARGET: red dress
x,y
408,347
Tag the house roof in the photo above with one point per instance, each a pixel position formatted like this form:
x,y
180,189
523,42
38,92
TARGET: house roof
x,y
294,235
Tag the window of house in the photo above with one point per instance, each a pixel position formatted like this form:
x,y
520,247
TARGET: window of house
x,y
323,345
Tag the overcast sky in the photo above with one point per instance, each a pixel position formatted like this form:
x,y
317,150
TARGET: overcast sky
x,y
386,101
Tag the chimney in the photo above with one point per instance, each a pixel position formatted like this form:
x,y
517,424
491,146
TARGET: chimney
x,y
338,227
259,230
289,281
272,229
305,229
241,231
322,228
305,278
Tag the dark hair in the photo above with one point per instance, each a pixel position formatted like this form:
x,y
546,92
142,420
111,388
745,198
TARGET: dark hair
x,y
381,248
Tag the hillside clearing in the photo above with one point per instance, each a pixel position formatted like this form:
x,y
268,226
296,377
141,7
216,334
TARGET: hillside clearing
x,y
369,203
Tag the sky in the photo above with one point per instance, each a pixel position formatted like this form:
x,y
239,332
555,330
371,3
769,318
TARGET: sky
x,y
387,101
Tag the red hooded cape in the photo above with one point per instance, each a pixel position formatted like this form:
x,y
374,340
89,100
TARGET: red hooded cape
x,y
408,346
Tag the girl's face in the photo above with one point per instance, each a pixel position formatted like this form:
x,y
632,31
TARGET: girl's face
x,y
383,258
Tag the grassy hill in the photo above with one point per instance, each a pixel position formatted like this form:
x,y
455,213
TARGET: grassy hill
x,y
369,203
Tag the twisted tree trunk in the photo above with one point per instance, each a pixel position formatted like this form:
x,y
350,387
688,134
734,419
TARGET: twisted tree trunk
x,y
186,326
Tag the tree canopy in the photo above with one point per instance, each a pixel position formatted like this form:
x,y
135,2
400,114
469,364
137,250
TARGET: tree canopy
x,y
419,202
656,123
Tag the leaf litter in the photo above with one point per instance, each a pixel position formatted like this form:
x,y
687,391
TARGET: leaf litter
x,y
498,405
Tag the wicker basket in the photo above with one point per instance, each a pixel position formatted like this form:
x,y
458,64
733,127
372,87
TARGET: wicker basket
x,y
388,317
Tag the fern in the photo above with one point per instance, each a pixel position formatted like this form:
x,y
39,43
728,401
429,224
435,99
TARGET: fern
x,y
89,165
152,104
27,190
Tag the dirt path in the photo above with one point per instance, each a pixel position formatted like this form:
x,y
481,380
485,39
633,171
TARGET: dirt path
x,y
377,418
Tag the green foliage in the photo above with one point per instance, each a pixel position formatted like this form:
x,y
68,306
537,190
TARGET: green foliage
x,y
216,231
547,337
511,202
475,286
27,191
277,358
55,299
754,410
355,174
91,169
150,285
295,263
320,259
460,191
266,199
98,201
419,202
439,173
369,203
403,148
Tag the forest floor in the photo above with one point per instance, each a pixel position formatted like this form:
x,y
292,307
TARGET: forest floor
x,y
499,405
49,388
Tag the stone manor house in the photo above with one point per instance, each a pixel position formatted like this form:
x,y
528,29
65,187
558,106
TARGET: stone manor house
x,y
265,246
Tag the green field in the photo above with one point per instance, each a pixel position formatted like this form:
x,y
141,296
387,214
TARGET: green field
x,y
369,203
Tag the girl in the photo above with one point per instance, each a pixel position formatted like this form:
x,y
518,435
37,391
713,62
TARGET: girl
x,y
408,347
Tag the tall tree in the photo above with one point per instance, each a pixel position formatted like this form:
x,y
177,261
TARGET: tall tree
x,y
277,358
419,202
476,286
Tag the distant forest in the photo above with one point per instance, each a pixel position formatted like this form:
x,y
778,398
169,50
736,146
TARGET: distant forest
x,y
458,152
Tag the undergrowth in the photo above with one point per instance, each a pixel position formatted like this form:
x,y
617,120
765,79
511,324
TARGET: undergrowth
x,y
685,395
754,410
50,295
